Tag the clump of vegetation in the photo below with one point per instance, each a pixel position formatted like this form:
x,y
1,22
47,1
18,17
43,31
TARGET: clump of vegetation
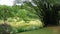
x,y
22,26
19,18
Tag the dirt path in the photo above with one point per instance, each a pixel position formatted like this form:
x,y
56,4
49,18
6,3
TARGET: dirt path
x,y
55,29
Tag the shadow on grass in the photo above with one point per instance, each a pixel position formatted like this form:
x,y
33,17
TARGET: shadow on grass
x,y
20,31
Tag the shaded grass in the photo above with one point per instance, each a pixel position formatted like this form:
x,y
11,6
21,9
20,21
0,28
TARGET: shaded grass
x,y
41,31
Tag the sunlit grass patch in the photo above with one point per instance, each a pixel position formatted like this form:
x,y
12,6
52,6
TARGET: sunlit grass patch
x,y
36,23
1,21
23,26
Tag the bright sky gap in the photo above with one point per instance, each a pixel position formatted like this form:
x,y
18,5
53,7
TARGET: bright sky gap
x,y
11,2
6,2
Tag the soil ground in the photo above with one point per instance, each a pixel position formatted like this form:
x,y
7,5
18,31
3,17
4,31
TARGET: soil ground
x,y
55,29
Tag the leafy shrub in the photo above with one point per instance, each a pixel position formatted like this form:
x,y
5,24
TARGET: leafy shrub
x,y
20,19
22,26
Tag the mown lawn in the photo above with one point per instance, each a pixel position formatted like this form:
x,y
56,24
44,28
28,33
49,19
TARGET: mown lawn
x,y
42,31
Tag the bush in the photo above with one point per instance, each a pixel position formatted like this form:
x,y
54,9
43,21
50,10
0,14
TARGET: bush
x,y
20,19
22,26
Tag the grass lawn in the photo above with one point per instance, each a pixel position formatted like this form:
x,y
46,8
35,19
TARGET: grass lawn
x,y
42,31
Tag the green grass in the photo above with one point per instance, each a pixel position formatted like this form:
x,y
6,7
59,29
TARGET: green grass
x,y
40,31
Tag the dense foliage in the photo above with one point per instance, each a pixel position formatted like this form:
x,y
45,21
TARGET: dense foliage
x,y
20,18
28,17
17,12
49,9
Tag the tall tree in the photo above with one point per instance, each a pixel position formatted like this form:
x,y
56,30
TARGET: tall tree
x,y
49,10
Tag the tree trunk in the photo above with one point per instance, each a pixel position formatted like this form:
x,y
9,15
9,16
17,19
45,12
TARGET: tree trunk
x,y
51,18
